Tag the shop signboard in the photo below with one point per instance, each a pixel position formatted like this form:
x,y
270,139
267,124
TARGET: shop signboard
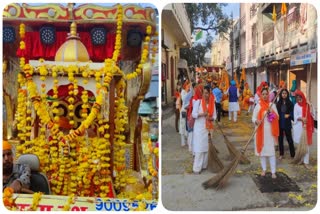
x,y
306,57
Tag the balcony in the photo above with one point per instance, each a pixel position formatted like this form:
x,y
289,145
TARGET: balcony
x,y
293,19
175,17
236,30
242,57
268,33
253,10
252,53
242,24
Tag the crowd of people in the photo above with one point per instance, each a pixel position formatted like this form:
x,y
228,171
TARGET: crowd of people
x,y
276,112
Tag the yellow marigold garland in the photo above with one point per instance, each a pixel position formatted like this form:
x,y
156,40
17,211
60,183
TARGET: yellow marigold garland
x,y
71,200
35,201
8,200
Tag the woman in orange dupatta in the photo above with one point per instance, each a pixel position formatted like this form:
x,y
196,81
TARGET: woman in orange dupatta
x,y
267,133
303,117
198,91
204,112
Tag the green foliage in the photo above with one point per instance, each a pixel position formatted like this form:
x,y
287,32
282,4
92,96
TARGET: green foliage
x,y
209,18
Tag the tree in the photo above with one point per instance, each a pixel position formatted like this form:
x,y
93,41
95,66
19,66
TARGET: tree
x,y
209,18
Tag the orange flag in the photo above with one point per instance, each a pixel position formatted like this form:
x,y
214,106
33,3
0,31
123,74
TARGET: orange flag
x,y
243,75
236,79
284,13
283,9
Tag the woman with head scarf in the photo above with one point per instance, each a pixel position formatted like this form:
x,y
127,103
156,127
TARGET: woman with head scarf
x,y
267,132
234,94
198,90
204,112
303,118
285,110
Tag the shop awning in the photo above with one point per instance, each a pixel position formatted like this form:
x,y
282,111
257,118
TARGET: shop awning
x,y
153,88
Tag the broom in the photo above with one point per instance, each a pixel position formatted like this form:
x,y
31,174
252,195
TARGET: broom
x,y
302,147
214,163
231,148
220,180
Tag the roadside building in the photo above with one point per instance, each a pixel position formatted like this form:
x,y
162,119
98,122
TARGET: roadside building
x,y
175,34
288,45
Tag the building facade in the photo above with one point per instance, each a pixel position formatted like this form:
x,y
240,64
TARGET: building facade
x,y
288,45
175,34
277,45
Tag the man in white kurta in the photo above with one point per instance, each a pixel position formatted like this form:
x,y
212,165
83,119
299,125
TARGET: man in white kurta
x,y
269,141
200,137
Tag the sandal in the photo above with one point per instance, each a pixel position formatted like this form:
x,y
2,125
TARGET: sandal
x,y
273,176
263,173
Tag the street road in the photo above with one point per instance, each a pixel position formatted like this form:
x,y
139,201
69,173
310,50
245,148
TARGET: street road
x,y
182,190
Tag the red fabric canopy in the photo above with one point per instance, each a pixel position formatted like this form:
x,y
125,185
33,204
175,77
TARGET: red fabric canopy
x,y
35,49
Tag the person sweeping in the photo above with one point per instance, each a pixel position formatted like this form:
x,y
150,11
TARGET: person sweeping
x,y
204,113
267,132
303,128
268,111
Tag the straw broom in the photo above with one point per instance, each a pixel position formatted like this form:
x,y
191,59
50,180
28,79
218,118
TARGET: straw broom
x,y
302,147
232,150
214,163
220,180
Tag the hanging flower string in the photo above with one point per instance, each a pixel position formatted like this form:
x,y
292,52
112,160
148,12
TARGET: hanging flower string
x,y
144,55
35,201
71,200
154,48
22,33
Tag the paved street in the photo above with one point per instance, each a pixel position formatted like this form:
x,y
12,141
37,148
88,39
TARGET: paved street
x,y
182,190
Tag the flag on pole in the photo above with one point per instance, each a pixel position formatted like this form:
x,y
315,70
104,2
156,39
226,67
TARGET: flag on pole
x,y
243,75
284,13
198,34
283,9
235,78
274,14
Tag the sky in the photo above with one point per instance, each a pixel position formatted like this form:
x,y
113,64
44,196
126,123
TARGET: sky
x,y
234,7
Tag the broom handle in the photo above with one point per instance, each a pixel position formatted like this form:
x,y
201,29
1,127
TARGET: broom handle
x,y
243,150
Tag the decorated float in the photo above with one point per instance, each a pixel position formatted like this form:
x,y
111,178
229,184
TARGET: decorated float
x,y
73,79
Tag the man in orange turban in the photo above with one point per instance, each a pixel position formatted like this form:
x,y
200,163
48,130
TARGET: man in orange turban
x,y
16,176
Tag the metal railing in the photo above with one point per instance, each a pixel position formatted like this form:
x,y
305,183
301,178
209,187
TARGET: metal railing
x,y
242,21
293,20
242,57
253,10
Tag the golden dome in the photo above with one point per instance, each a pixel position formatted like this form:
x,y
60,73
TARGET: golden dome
x,y
72,50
